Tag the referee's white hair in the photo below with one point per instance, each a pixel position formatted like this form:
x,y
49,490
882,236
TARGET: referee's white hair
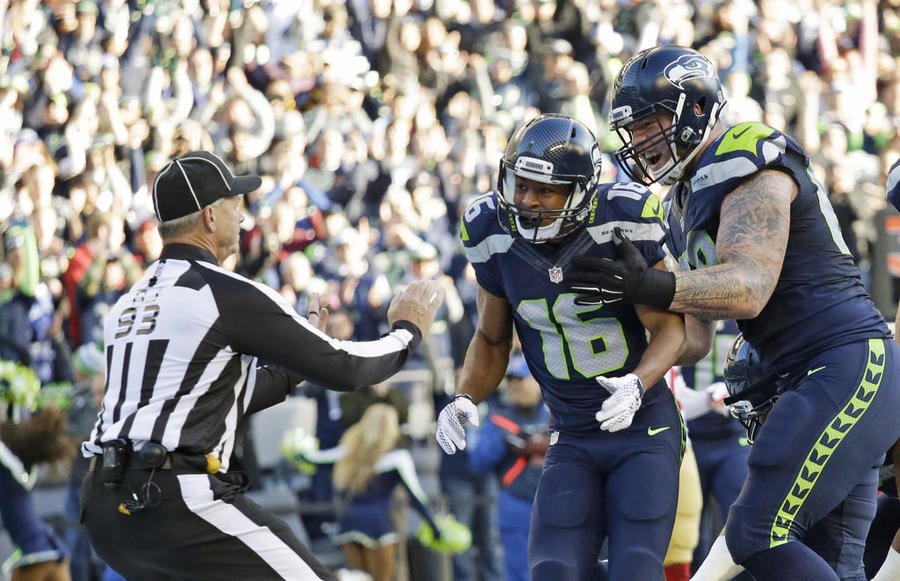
x,y
183,225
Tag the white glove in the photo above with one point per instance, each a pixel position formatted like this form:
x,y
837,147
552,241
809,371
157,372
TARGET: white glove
x,y
717,393
618,409
697,403
693,403
451,434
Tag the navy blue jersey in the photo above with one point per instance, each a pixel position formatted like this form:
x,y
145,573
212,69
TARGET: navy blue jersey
x,y
566,345
819,290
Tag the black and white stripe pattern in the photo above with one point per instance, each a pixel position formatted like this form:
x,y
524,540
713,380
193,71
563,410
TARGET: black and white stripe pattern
x,y
182,348
232,521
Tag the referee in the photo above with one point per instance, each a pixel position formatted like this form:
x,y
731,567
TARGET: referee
x,y
182,349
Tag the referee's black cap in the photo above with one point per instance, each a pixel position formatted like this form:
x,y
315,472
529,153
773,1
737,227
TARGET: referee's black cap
x,y
195,180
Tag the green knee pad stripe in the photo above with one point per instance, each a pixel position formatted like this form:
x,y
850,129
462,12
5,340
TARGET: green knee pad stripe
x,y
828,442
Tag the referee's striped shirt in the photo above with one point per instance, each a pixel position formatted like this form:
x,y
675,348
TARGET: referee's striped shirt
x,y
182,348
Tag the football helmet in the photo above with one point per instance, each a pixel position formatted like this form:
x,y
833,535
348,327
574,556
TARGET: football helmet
x,y
670,81
551,149
751,392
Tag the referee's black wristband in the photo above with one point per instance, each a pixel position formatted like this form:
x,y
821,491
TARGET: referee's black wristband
x,y
408,326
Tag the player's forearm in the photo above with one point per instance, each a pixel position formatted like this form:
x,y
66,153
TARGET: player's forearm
x,y
724,291
484,367
699,339
748,254
666,345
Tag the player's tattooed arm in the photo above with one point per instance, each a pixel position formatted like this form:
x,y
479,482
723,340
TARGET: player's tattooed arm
x,y
699,332
753,232
488,354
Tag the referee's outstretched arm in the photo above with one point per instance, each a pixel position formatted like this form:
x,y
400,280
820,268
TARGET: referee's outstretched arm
x,y
259,322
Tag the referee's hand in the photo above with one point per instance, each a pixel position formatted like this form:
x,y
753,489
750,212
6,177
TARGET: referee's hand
x,y
317,313
417,304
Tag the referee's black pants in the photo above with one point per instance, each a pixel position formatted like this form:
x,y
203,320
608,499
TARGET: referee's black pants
x,y
202,528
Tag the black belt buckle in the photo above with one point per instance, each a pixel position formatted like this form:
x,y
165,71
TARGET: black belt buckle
x,y
114,458
153,455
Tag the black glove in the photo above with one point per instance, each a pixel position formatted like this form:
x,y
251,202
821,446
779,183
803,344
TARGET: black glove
x,y
630,278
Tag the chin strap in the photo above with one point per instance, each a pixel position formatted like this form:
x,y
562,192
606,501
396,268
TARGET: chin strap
x,y
674,174
541,233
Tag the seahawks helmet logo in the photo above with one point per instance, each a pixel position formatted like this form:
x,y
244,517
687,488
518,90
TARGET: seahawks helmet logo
x,y
688,67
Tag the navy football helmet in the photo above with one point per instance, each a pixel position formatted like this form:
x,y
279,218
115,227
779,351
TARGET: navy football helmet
x,y
674,81
551,149
751,392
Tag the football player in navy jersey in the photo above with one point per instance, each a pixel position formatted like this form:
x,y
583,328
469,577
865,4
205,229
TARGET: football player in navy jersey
x,y
764,248
611,470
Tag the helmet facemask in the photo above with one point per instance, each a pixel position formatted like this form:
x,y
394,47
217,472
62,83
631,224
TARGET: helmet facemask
x,y
678,141
526,222
680,88
751,392
751,416
556,150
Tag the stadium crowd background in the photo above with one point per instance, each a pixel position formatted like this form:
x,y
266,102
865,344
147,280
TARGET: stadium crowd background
x,y
372,122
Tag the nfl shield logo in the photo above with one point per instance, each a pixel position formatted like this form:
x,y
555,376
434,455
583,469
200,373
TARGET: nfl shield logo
x,y
556,274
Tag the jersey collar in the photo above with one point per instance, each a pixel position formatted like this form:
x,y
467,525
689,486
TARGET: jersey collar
x,y
177,251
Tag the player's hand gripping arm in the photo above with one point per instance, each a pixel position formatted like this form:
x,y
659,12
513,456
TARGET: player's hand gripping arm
x,y
750,247
483,369
667,341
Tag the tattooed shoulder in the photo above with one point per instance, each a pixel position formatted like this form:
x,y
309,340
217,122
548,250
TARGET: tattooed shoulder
x,y
756,216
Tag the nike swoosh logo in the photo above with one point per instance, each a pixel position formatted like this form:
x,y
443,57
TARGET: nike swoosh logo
x,y
737,135
654,431
816,370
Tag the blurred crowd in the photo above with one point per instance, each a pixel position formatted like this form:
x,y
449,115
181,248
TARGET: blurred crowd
x,y
372,123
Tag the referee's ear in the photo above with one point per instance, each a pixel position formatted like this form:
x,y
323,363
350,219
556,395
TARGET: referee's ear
x,y
208,217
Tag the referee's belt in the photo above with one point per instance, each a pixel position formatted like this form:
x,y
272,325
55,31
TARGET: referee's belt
x,y
152,456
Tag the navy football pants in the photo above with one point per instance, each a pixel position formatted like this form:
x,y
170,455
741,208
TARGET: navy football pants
x,y
623,486
816,451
